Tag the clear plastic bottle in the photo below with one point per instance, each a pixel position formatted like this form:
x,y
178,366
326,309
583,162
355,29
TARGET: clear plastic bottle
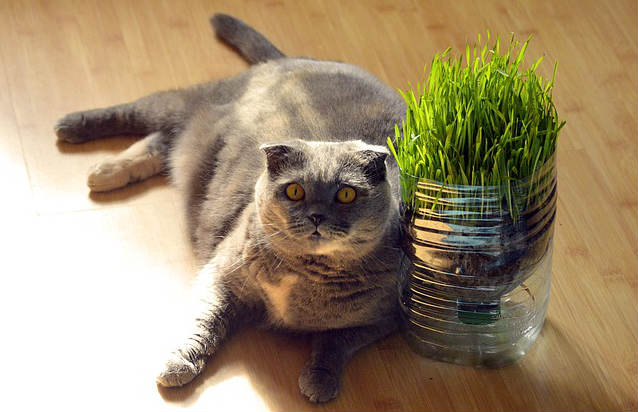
x,y
475,286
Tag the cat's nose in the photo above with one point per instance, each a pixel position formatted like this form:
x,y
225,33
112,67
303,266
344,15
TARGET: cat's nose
x,y
316,219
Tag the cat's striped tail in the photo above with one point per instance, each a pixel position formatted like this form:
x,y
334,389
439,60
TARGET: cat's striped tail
x,y
252,45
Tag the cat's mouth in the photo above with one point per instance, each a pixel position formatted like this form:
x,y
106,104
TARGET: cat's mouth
x,y
319,244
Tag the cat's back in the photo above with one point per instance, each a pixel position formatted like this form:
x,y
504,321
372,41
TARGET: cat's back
x,y
287,99
317,100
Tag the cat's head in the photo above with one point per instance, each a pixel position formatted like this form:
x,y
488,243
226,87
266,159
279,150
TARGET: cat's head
x,y
322,198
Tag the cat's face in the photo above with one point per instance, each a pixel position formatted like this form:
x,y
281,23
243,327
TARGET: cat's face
x,y
328,199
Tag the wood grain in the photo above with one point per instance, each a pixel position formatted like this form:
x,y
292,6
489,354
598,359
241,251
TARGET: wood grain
x,y
94,286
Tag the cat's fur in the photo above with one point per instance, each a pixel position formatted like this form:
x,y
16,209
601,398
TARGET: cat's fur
x,y
232,146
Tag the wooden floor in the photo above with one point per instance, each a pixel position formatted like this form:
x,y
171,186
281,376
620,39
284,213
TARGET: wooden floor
x,y
93,286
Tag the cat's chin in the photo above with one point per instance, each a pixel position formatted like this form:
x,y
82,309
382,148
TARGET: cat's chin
x,y
326,249
320,245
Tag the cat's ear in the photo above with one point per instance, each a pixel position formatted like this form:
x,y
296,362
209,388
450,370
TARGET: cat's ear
x,y
372,161
281,156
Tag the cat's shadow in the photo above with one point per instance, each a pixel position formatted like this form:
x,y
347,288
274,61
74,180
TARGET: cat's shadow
x,y
109,145
131,191
271,361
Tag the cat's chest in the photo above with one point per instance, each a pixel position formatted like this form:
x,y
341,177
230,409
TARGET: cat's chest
x,y
297,301
277,291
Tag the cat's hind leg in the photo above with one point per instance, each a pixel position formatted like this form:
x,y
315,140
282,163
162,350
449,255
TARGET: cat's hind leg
x,y
159,111
143,159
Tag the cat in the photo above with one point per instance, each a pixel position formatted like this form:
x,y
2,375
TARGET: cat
x,y
291,199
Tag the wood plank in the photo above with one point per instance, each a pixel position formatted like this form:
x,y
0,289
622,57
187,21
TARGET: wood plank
x,y
96,286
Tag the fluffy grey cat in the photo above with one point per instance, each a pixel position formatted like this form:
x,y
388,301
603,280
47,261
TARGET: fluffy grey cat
x,y
291,199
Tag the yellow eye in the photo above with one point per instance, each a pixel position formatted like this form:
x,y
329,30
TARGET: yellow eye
x,y
346,195
294,191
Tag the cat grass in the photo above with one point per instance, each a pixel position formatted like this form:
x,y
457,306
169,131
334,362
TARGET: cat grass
x,y
477,120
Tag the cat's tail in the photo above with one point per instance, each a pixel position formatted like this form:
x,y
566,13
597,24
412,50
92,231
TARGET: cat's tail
x,y
251,44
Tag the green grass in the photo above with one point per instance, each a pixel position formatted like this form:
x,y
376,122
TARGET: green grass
x,y
482,122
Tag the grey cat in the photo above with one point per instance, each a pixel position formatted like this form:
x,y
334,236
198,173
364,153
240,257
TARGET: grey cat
x,y
291,199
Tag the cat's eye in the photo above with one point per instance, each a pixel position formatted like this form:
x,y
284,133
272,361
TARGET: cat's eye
x,y
346,195
294,191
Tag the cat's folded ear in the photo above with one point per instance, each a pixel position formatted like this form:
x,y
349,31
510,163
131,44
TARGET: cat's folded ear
x,y
372,161
281,156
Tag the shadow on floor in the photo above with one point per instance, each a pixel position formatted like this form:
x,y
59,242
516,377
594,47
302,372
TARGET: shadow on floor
x,y
131,191
387,376
110,145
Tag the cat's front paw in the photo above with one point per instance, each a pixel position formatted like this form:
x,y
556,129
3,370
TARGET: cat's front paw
x,y
178,371
318,384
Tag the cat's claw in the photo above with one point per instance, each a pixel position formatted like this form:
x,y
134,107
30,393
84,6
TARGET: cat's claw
x,y
318,385
178,371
